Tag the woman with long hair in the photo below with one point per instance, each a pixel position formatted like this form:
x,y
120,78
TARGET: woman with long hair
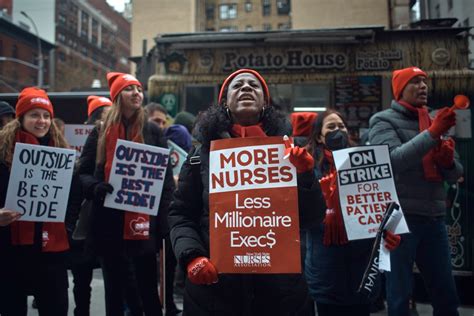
x,y
334,266
244,110
125,242
33,253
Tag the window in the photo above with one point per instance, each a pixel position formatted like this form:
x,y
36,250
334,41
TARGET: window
x,y
267,27
248,6
228,11
266,7
437,11
61,37
450,5
210,12
198,97
310,95
229,28
249,28
283,7
14,51
62,19
61,57
284,26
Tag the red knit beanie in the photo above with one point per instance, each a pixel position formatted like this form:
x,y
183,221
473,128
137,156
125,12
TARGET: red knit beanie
x,y
302,123
401,77
94,102
227,81
31,98
119,81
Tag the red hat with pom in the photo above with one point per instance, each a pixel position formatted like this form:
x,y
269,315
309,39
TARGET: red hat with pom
x,y
32,98
401,78
94,102
302,123
118,81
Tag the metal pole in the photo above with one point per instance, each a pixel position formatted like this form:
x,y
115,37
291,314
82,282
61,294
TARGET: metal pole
x,y
40,51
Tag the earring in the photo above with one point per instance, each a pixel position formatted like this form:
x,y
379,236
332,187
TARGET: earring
x,y
227,111
262,113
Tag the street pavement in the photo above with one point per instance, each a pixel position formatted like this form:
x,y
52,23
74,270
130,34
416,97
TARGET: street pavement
x,y
98,306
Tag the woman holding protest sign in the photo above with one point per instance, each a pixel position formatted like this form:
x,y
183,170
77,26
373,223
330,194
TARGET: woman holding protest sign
x,y
334,266
125,242
33,253
244,110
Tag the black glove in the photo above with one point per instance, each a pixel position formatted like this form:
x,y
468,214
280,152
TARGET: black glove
x,y
101,189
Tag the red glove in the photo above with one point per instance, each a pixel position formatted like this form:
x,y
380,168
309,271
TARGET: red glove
x,y
444,154
299,156
202,271
443,121
392,241
327,188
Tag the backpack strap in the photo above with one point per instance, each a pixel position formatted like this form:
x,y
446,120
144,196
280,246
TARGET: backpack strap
x,y
195,162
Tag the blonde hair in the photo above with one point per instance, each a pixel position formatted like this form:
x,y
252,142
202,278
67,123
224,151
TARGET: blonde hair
x,y
8,135
114,116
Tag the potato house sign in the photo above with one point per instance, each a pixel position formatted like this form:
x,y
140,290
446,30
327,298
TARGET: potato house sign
x,y
290,60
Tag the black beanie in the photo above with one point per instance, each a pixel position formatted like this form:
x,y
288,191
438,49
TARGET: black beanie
x,y
6,108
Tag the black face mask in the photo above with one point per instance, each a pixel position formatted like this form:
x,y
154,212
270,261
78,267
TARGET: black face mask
x,y
336,140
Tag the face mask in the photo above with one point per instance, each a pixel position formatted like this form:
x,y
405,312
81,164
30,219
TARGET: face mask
x,y
336,140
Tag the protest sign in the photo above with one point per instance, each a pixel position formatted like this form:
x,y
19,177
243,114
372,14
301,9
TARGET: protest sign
x,y
253,207
137,175
76,135
40,181
178,156
365,181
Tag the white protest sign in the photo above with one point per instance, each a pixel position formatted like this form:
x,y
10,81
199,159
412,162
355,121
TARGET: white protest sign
x,y
178,156
76,135
365,181
40,181
137,175
384,254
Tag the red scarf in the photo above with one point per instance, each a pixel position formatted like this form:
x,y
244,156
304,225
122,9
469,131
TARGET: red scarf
x,y
136,226
247,131
334,230
54,236
430,169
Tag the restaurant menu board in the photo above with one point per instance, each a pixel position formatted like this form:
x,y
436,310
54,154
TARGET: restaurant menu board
x,y
358,98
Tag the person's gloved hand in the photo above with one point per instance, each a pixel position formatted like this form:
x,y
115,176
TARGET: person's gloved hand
x,y
299,156
444,154
392,241
328,189
202,271
443,121
101,189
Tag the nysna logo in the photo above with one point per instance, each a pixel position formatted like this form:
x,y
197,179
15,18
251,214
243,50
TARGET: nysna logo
x,y
45,237
140,226
102,99
39,100
417,70
255,259
129,78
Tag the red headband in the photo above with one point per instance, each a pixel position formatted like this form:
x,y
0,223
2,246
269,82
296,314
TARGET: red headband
x,y
227,81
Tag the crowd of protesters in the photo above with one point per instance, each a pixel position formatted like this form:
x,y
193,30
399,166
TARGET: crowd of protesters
x,y
332,266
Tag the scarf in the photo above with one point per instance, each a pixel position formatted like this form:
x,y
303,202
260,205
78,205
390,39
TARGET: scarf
x,y
334,230
136,226
53,235
430,169
247,131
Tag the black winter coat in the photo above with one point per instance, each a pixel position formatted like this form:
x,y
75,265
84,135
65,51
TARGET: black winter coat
x,y
234,294
105,234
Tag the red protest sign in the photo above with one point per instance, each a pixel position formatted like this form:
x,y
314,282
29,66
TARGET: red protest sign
x,y
253,207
